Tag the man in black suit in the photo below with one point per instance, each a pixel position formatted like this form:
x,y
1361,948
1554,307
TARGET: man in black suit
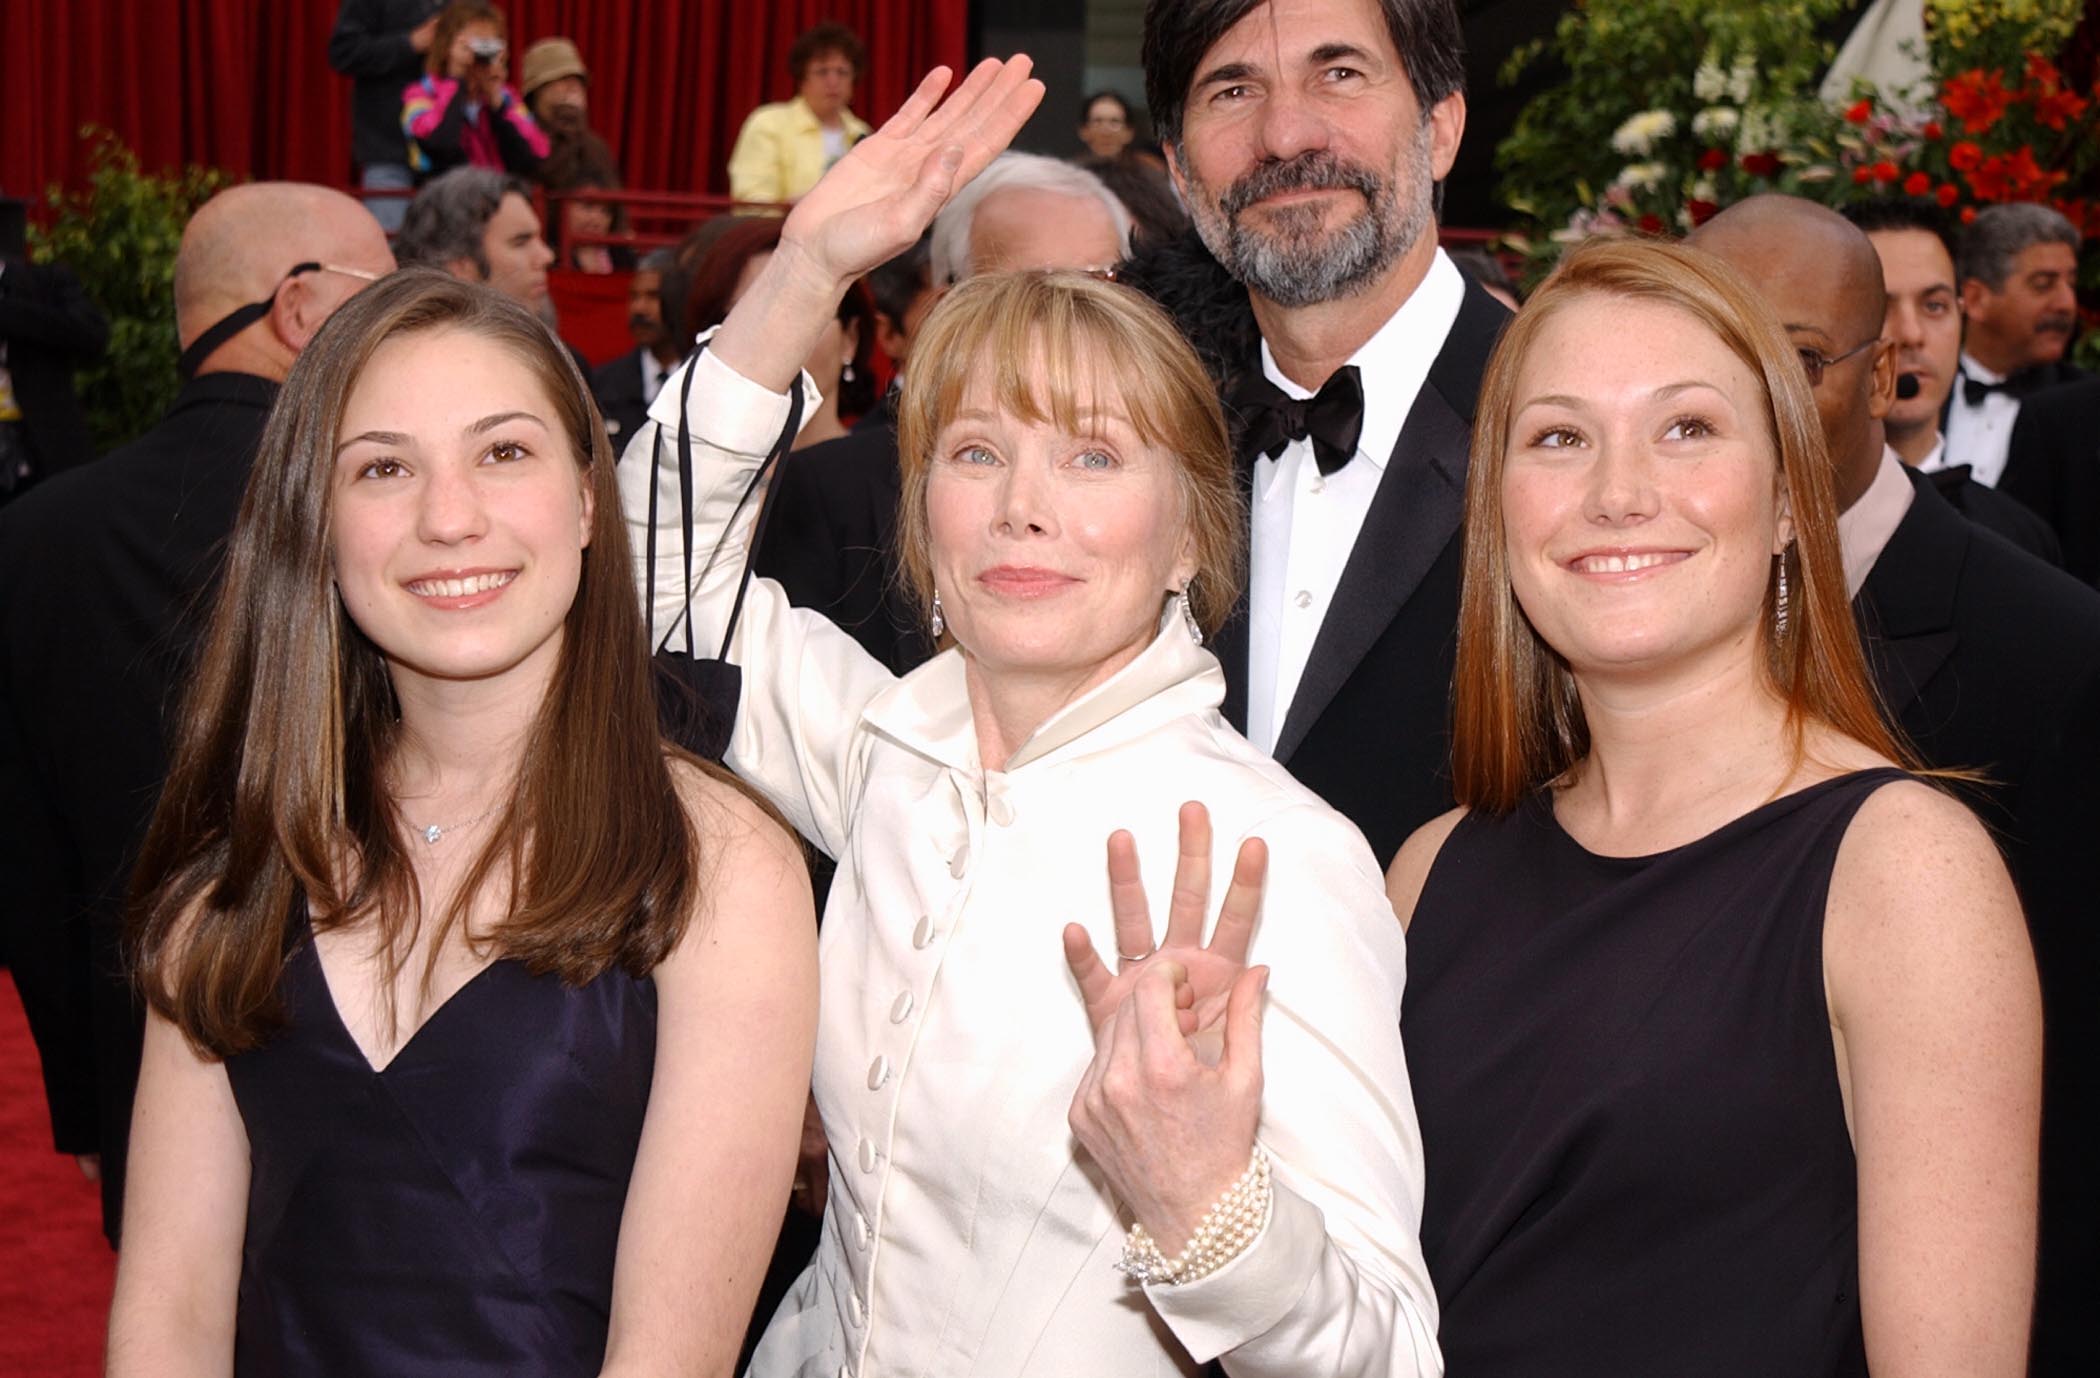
x,y
2018,265
2054,468
626,386
1307,142
1924,327
382,46
48,329
106,574
1987,659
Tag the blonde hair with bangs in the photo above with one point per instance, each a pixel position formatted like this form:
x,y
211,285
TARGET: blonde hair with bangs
x,y
1087,339
1518,721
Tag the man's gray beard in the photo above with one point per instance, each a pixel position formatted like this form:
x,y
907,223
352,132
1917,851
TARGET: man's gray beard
x,y
1294,264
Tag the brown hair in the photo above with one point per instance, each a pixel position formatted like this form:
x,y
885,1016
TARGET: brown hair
x,y
1091,338
826,38
1519,723
278,791
451,20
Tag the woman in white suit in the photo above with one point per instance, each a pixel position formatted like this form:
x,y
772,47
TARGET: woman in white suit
x,y
996,1121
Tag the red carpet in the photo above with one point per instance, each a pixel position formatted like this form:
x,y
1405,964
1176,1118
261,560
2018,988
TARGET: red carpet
x,y
55,1268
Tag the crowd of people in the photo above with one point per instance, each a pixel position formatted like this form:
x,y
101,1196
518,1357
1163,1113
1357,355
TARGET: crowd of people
x,y
1361,827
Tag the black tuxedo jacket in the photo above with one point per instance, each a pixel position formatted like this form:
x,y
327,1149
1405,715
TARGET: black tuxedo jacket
x,y
1989,659
1993,511
618,388
831,540
51,329
1369,729
2053,466
105,576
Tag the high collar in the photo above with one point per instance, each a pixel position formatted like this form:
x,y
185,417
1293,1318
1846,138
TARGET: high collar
x,y
928,711
806,119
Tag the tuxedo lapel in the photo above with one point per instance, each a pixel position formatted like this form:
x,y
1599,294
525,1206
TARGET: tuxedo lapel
x,y
1906,608
1418,507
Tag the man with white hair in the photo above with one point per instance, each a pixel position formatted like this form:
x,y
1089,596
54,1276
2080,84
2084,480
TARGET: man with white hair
x,y
1028,211
106,575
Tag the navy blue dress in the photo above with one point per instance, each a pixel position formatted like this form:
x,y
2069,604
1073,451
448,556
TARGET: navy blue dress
x,y
1632,1131
456,1213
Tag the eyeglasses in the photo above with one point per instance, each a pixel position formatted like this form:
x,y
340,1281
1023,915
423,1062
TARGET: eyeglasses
x,y
1107,122
346,271
1814,362
1109,274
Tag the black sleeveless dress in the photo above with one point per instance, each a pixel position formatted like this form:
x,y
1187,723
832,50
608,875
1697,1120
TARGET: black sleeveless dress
x,y
457,1212
1633,1137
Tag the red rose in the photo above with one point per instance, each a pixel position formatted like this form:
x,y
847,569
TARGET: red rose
x,y
1948,194
1968,214
1862,175
1650,224
1886,171
1701,211
1761,164
1917,184
1713,160
1964,156
1932,131
2055,109
1861,112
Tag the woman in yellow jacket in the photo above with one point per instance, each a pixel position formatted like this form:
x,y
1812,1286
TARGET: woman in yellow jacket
x,y
786,146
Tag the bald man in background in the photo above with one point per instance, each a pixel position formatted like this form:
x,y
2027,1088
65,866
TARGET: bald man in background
x,y
106,575
1988,659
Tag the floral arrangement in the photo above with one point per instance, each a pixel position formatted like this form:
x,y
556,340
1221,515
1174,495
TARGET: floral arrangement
x,y
1641,140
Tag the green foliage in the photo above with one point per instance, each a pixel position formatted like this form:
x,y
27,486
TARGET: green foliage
x,y
119,236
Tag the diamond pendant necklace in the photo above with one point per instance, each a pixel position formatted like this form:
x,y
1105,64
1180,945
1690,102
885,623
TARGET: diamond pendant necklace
x,y
432,832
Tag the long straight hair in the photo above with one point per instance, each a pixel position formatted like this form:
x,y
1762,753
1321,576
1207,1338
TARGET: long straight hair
x,y
1518,719
277,789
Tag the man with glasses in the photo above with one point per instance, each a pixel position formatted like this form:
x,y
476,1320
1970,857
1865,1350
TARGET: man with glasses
x,y
106,574
1989,660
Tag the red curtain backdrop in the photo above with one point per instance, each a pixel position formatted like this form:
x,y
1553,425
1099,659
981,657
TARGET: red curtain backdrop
x,y
245,84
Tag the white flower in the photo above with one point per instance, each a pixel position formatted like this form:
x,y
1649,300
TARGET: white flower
x,y
1759,129
1709,83
1640,176
1705,190
1716,122
1640,133
1742,76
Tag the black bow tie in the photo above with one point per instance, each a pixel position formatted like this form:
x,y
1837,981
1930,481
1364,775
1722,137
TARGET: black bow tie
x,y
1333,417
1974,390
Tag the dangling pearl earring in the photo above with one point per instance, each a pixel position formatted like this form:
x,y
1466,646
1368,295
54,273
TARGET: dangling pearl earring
x,y
940,623
1779,601
1188,615
846,372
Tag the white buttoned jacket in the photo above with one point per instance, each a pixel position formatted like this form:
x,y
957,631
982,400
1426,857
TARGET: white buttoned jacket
x,y
966,1233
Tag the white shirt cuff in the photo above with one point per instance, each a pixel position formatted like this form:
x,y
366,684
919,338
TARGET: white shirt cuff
x,y
1249,1295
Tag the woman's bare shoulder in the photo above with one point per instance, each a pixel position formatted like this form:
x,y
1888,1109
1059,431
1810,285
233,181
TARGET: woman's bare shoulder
x,y
1410,869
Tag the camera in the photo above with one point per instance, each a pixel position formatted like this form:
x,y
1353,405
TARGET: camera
x,y
485,50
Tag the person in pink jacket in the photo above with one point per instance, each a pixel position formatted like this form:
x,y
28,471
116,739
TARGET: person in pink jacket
x,y
463,110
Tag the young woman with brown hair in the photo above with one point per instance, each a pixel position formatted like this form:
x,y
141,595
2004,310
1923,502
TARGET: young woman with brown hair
x,y
481,1017
1723,1028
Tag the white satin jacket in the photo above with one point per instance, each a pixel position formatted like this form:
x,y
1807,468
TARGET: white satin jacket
x,y
967,1235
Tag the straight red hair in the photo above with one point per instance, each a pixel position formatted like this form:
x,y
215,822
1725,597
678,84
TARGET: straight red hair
x,y
1518,721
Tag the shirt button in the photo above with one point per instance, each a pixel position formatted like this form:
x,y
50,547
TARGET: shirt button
x,y
867,1155
900,1008
1318,484
1002,810
858,1308
958,863
878,1072
922,933
1303,598
861,1236
845,1372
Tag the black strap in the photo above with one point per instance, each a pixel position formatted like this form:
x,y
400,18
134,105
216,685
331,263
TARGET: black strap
x,y
232,324
780,448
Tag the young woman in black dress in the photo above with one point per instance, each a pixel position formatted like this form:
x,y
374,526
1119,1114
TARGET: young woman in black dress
x,y
1723,1028
481,1017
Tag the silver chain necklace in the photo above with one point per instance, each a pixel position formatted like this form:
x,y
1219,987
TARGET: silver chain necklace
x,y
431,832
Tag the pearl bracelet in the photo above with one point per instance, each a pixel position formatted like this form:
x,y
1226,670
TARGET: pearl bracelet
x,y
1232,1223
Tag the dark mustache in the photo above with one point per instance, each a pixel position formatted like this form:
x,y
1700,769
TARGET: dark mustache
x,y
2055,325
1314,170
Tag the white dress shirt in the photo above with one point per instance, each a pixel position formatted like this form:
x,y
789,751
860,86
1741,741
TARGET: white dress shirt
x,y
1978,436
653,374
966,1234
1864,528
1305,523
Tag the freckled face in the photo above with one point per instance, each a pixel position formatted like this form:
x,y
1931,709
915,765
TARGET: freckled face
x,y
1640,490
1054,553
460,513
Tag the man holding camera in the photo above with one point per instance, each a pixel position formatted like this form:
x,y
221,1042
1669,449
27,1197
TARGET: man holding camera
x,y
381,45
